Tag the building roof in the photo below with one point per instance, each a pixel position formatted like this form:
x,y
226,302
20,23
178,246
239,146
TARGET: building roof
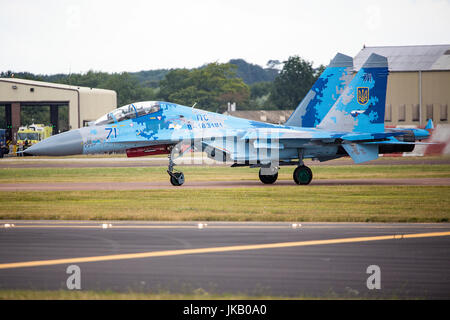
x,y
271,116
409,58
53,85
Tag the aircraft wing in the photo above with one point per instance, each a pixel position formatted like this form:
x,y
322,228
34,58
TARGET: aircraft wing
x,y
292,134
282,133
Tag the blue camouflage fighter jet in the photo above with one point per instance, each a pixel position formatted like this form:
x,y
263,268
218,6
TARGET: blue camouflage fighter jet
x,y
342,115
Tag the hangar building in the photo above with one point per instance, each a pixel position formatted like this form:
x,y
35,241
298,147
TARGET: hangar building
x,y
418,83
85,104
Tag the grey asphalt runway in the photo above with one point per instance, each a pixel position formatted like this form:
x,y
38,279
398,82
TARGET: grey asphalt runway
x,y
312,260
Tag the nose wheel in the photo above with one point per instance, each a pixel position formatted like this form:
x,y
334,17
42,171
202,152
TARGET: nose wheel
x,y
176,177
302,175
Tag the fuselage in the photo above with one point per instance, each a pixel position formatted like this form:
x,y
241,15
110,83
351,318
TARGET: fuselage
x,y
165,123
153,123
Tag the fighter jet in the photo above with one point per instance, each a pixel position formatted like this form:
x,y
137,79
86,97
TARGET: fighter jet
x,y
342,115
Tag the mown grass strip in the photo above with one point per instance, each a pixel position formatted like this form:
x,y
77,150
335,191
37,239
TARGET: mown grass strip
x,y
216,173
308,203
197,294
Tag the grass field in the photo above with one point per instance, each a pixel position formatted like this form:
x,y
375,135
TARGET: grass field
x,y
215,173
110,295
287,203
310,203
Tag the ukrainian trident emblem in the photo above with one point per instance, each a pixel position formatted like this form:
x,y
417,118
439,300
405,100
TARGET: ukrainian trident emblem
x,y
363,95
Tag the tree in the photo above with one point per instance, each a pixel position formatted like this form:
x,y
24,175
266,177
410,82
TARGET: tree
x,y
211,87
260,89
128,89
318,71
173,82
293,83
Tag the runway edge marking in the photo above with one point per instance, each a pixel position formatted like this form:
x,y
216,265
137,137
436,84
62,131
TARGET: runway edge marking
x,y
166,253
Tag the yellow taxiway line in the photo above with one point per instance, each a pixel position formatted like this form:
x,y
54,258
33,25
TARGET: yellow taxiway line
x,y
166,253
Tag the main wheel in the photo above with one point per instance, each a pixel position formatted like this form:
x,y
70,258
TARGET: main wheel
x,y
177,179
302,175
268,179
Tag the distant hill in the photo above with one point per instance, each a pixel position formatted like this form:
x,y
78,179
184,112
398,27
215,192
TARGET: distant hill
x,y
252,73
150,78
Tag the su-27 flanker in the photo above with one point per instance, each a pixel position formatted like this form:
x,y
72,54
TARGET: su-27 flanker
x,y
342,115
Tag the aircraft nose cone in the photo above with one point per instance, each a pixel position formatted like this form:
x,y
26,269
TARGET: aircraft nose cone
x,y
63,144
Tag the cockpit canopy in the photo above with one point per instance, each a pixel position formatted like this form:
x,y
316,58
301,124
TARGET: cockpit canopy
x,y
129,111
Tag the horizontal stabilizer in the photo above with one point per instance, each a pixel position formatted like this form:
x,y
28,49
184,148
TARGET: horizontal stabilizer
x,y
394,141
398,142
370,136
361,152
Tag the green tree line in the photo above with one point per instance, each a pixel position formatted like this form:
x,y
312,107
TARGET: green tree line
x,y
211,86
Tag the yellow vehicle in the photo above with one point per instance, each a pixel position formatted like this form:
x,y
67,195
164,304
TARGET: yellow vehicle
x,y
29,135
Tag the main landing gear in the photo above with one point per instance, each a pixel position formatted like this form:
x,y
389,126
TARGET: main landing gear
x,y
302,175
176,177
268,175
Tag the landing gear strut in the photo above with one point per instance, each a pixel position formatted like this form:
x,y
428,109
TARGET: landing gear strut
x,y
268,175
176,177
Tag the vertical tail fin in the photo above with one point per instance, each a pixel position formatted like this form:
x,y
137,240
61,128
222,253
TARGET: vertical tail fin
x,y
323,94
361,106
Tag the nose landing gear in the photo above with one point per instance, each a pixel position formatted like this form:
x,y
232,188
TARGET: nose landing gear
x,y
176,177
